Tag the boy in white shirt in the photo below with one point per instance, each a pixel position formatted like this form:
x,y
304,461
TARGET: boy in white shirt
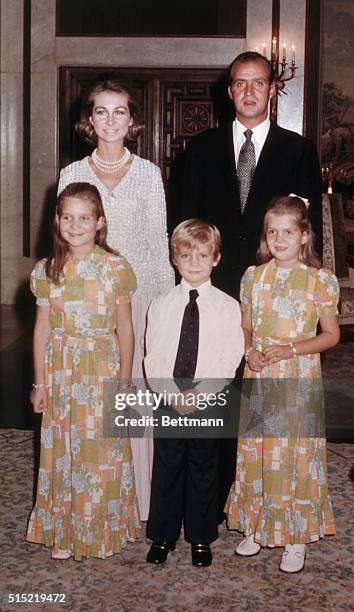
x,y
194,341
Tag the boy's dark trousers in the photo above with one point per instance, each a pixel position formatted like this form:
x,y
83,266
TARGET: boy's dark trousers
x,y
184,488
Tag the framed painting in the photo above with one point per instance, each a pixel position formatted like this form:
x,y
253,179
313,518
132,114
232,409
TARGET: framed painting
x,y
337,130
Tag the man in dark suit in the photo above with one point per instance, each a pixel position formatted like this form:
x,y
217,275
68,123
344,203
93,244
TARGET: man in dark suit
x,y
215,188
285,163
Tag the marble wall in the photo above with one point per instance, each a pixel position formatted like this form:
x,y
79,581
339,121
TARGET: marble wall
x,y
13,265
48,53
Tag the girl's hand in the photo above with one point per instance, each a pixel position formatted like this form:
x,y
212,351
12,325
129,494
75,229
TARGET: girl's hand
x,y
39,399
277,352
256,360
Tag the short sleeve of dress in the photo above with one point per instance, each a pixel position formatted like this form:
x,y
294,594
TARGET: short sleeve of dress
x,y
125,279
326,294
246,289
39,284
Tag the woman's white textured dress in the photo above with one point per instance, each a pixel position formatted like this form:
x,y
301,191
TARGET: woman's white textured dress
x,y
136,217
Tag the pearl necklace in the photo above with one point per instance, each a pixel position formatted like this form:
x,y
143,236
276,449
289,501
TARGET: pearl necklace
x,y
110,167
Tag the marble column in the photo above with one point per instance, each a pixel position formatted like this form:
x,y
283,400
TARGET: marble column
x,y
292,30
44,120
11,124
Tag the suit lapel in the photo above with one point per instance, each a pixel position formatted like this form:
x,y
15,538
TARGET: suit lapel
x,y
232,183
266,158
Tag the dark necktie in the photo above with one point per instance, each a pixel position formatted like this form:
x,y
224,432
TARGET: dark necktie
x,y
246,166
187,352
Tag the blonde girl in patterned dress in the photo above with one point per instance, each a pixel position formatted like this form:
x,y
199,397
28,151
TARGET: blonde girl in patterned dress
x,y
86,504
280,494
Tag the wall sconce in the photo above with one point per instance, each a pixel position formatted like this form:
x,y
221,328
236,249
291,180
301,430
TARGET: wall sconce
x,y
330,174
283,71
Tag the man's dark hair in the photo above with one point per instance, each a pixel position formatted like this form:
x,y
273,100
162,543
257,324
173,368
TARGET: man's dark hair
x,y
251,56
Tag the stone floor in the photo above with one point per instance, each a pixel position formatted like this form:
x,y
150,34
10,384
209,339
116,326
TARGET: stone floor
x,y
125,583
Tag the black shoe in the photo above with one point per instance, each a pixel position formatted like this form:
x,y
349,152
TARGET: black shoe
x,y
158,552
201,555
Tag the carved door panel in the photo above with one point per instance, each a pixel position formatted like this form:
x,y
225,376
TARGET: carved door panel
x,y
187,109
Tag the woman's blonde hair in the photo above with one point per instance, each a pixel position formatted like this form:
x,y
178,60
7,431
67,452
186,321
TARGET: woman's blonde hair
x,y
296,207
193,233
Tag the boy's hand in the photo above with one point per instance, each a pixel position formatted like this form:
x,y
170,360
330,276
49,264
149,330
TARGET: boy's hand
x,y
180,404
256,361
39,399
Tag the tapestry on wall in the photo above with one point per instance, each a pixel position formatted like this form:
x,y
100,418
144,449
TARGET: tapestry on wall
x,y
337,141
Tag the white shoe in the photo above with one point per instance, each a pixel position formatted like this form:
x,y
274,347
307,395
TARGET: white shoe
x,y
293,559
248,547
61,554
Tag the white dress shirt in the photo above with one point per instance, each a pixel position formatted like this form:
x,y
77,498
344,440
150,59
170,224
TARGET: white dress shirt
x,y
259,134
221,340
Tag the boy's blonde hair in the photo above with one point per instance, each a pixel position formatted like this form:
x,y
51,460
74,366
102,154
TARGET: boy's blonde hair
x,y
192,233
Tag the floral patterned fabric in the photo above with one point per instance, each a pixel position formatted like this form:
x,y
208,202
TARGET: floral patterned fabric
x,y
280,492
86,498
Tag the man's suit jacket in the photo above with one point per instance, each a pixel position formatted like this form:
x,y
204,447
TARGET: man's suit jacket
x,y
288,163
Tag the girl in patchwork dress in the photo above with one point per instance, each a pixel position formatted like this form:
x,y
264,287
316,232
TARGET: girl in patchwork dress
x,y
280,494
86,504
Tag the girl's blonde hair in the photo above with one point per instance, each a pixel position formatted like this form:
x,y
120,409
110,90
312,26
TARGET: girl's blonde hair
x,y
193,233
296,207
83,191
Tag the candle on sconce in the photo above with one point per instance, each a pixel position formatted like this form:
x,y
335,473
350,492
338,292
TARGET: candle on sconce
x,y
284,51
282,59
293,55
257,48
274,48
